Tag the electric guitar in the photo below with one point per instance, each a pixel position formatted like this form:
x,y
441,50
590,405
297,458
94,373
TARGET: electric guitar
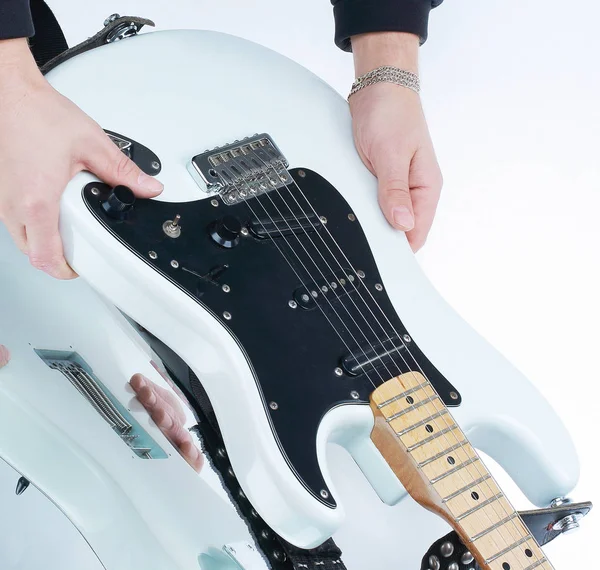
x,y
267,266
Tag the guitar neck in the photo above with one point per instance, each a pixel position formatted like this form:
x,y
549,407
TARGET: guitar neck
x,y
440,469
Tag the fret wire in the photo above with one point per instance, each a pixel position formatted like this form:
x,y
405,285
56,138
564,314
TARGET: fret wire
x,y
441,454
432,437
403,395
494,527
536,564
454,470
466,488
422,422
480,506
412,408
508,549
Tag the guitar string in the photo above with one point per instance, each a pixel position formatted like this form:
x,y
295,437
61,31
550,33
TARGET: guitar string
x,y
307,288
462,444
330,269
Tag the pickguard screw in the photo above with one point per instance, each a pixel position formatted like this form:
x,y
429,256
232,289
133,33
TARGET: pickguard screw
x,y
324,494
379,286
214,202
352,217
406,338
301,173
175,264
244,232
155,164
95,191
354,395
323,220
152,255
454,395
338,372
274,405
361,273
221,452
292,304
227,315
226,288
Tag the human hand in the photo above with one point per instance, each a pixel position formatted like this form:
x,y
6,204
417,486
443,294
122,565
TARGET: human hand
x,y
392,138
4,356
45,140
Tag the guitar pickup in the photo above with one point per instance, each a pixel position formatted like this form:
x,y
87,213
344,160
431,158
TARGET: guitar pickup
x,y
263,228
390,353
327,290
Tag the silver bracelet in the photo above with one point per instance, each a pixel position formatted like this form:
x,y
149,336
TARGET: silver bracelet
x,y
387,74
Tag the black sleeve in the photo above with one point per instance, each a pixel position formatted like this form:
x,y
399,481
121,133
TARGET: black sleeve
x,y
15,19
354,17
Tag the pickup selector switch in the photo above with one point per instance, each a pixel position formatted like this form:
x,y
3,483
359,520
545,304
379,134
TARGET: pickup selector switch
x,y
119,203
226,231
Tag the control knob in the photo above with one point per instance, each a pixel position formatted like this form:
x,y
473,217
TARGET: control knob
x,y
119,203
226,231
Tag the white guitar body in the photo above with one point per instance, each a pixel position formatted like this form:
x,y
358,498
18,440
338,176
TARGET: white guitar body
x,y
179,93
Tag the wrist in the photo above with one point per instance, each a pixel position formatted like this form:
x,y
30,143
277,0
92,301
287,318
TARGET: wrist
x,y
17,64
376,49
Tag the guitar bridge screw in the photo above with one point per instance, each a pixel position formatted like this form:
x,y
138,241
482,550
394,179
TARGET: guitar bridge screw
x,y
95,191
406,338
361,273
324,494
379,286
244,232
226,288
338,372
354,395
152,255
214,202
175,264
292,304
227,315
352,217
274,405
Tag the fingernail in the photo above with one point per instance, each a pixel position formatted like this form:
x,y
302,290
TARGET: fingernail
x,y
4,356
150,184
403,218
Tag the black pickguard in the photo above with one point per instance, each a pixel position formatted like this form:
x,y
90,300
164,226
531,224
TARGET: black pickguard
x,y
294,352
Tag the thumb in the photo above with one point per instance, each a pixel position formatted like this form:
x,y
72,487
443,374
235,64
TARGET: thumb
x,y
393,173
109,164
4,356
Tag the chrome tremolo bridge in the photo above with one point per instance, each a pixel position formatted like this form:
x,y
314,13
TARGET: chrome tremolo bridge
x,y
243,169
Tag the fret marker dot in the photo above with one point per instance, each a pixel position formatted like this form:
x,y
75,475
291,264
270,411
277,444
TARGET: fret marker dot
x,y
475,495
410,400
429,428
506,566
528,553
451,460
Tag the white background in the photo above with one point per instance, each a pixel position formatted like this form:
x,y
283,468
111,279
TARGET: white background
x,y
511,91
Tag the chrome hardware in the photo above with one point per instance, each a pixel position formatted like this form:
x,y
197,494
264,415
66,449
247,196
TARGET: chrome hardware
x,y
155,165
466,558
121,31
274,405
172,227
324,494
361,273
447,549
378,286
293,304
245,232
214,202
301,173
352,217
95,191
453,566
406,338
175,264
122,144
226,288
323,219
338,372
242,170
227,315
152,255
434,563
454,395
568,524
354,395
559,501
